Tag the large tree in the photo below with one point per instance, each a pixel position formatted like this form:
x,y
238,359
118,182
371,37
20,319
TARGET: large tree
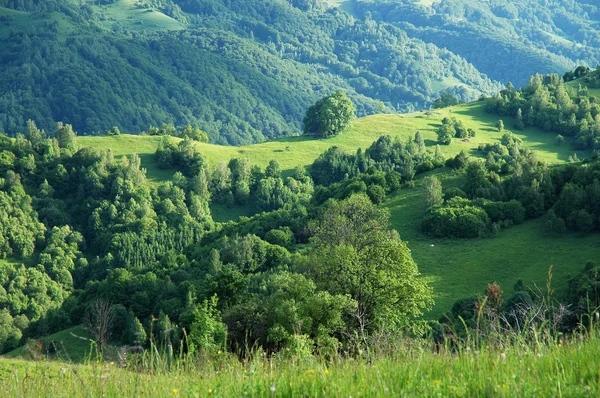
x,y
330,116
355,253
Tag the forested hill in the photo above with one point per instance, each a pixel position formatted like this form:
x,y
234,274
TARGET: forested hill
x,y
242,70
507,40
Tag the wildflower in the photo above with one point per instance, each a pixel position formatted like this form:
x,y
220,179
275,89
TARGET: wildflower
x,y
580,337
219,352
559,345
326,371
503,356
175,391
487,346
272,389
112,363
210,390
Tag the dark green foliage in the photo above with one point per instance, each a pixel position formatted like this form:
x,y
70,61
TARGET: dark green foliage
x,y
242,71
446,100
532,34
460,161
457,219
584,289
283,237
385,154
547,103
376,193
330,116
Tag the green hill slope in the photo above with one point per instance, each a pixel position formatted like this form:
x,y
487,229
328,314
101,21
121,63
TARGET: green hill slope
x,y
243,71
293,151
456,268
69,345
508,41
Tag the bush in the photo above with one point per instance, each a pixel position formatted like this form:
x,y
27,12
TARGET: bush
x,y
376,193
281,237
456,222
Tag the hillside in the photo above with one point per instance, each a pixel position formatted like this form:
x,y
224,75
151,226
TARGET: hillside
x,y
507,41
243,71
302,150
455,268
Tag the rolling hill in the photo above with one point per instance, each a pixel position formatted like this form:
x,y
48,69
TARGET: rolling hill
x,y
455,268
243,71
507,41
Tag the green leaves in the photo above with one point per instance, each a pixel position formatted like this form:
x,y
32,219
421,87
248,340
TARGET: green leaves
x,y
355,253
330,116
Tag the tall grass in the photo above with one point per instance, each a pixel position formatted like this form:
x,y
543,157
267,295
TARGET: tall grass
x,y
536,364
565,369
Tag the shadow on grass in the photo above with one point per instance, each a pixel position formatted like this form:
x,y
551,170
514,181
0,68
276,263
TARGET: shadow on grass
x,y
299,138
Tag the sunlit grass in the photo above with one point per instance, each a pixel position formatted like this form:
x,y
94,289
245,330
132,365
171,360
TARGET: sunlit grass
x,y
562,368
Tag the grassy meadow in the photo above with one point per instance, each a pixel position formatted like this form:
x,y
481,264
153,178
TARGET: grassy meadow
x,y
69,345
300,150
455,268
127,13
410,368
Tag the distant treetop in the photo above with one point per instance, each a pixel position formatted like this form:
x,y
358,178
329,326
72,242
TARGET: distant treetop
x,y
330,116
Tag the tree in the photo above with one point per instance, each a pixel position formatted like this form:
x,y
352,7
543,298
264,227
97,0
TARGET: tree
x,y
445,100
420,141
519,125
194,133
433,192
99,319
330,116
355,253
65,136
273,170
446,131
500,125
113,131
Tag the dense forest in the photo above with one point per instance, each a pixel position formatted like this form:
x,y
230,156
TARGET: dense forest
x,y
95,230
241,71
87,239
508,41
317,269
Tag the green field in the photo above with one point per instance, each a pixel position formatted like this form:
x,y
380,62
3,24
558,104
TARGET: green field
x,y
69,345
133,15
456,268
567,369
293,151
129,14
462,268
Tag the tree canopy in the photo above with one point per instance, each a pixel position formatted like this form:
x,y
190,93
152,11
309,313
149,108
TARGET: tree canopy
x,y
330,116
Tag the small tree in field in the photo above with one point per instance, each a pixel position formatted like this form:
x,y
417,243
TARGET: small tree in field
x,y
500,125
99,321
433,192
330,116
